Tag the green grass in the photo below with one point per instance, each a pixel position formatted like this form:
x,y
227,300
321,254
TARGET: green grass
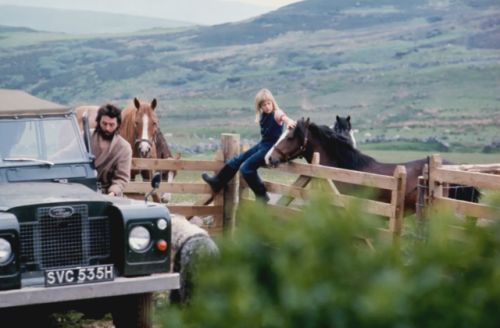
x,y
401,146
459,158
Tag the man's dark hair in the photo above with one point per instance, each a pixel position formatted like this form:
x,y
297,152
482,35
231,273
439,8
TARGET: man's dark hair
x,y
109,110
113,112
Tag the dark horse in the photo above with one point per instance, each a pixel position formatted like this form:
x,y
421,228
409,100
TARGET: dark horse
x,y
336,151
343,126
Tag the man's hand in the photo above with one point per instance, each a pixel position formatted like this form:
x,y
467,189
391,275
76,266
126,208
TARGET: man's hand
x,y
112,194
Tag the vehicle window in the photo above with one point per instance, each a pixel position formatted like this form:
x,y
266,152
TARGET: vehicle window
x,y
52,140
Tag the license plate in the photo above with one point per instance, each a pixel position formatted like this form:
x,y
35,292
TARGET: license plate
x,y
75,276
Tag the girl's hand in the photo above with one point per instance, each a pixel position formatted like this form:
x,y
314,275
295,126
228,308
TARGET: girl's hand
x,y
291,124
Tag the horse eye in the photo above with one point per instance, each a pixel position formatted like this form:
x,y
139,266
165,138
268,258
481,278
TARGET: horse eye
x,y
154,123
136,123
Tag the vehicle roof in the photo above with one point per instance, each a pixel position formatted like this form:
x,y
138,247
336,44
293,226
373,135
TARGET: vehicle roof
x,y
21,103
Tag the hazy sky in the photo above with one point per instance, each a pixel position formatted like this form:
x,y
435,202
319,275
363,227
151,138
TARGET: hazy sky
x,y
268,3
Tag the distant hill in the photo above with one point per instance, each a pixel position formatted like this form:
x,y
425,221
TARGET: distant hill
x,y
315,15
79,22
205,12
13,29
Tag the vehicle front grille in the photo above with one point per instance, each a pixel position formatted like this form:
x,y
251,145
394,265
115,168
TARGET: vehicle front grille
x,y
53,242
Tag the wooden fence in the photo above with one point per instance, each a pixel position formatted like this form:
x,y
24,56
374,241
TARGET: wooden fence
x,y
440,178
319,178
209,204
222,206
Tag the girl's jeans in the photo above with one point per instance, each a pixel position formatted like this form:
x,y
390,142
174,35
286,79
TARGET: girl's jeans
x,y
249,161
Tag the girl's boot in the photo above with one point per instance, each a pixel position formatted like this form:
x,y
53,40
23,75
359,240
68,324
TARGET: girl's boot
x,y
255,183
221,179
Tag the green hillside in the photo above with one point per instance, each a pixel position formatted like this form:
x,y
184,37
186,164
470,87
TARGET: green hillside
x,y
417,69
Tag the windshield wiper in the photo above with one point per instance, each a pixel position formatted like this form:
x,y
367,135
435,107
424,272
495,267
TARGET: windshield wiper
x,y
23,159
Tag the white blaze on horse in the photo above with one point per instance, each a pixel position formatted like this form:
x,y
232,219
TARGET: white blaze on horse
x,y
141,129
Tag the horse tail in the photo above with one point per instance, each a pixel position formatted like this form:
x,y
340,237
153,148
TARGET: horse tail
x,y
465,193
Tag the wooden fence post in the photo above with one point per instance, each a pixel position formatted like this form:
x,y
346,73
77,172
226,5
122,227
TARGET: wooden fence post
x,y
244,191
315,184
421,209
230,144
398,200
435,187
218,200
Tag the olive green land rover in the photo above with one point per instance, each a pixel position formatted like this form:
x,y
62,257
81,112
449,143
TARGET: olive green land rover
x,y
63,244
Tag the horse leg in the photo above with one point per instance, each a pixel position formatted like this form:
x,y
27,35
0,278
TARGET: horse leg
x,y
133,175
167,197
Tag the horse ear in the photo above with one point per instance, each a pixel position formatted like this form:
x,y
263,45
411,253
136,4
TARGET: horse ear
x,y
349,118
137,103
306,124
338,119
178,156
153,104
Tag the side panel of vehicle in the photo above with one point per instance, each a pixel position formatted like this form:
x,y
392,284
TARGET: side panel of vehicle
x,y
10,271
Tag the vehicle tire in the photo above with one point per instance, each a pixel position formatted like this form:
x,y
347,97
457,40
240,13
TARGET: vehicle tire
x,y
27,316
133,311
94,309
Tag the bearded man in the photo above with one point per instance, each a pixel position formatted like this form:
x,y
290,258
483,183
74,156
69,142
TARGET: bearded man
x,y
113,154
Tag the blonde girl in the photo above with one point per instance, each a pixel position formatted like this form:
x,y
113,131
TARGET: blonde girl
x,y
271,119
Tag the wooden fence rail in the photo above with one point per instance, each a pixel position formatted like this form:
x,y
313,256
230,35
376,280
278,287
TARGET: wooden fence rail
x,y
442,176
217,205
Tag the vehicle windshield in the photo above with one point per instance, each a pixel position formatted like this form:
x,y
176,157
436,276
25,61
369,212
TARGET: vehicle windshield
x,y
39,141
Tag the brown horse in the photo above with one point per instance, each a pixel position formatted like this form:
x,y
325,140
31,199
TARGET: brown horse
x,y
336,151
152,144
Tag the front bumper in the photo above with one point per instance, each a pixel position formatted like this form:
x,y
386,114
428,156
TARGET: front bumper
x,y
120,286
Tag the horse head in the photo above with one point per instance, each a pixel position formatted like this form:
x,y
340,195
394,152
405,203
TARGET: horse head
x,y
146,122
342,125
291,145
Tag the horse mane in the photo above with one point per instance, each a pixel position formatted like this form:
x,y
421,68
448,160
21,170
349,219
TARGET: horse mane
x,y
339,147
128,123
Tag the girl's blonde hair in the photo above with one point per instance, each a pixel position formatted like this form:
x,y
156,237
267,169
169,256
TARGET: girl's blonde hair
x,y
263,95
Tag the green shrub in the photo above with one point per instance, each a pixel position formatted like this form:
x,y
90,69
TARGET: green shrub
x,y
308,272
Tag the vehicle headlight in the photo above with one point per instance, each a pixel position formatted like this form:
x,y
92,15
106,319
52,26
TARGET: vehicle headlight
x,y
139,238
5,250
162,224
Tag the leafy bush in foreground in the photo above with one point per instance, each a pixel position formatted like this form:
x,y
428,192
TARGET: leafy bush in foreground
x,y
309,272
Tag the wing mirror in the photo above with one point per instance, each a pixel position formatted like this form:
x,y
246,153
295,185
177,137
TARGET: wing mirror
x,y
86,132
155,183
